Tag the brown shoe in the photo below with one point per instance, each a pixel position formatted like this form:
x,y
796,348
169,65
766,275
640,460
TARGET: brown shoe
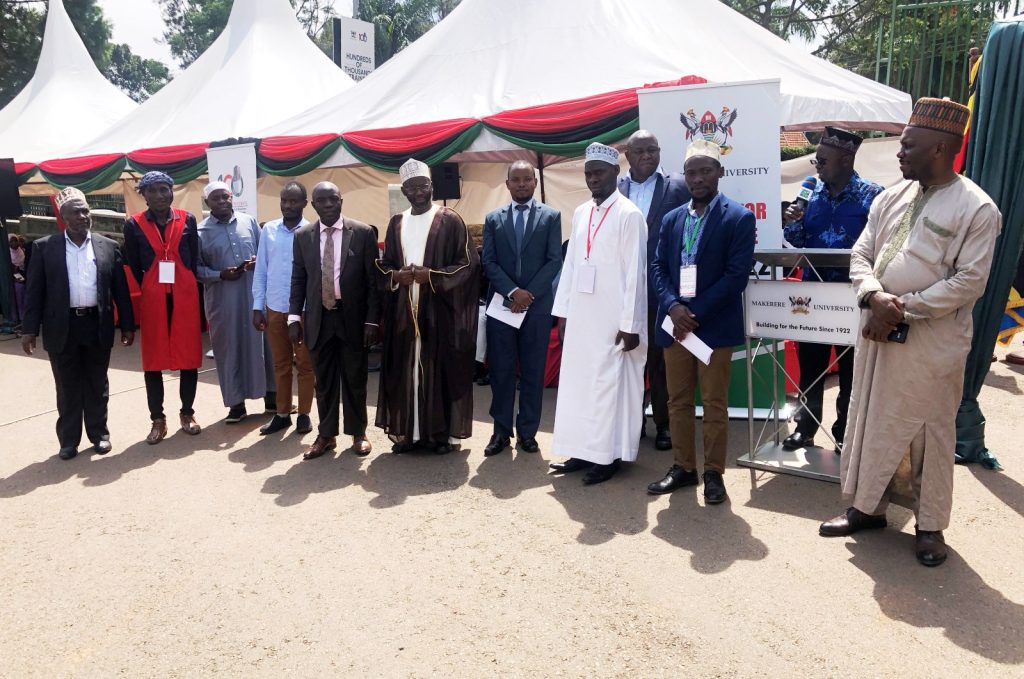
x,y
930,547
189,425
158,432
321,445
849,522
361,446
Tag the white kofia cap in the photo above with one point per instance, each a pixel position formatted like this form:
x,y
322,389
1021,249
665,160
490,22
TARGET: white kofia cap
x,y
702,147
413,168
606,154
215,186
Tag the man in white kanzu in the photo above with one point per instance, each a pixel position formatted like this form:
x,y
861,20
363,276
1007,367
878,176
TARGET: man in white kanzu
x,y
601,304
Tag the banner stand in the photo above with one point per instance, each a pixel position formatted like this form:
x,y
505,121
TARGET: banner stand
x,y
819,312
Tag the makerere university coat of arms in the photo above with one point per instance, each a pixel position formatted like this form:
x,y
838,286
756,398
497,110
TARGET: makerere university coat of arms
x,y
710,128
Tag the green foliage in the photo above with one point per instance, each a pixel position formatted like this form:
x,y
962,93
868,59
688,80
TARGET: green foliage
x,y
192,26
791,152
139,78
400,22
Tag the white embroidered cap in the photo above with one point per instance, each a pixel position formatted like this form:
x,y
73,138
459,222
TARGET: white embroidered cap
x,y
215,186
703,147
606,154
413,168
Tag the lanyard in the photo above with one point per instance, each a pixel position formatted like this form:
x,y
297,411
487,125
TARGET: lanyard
x,y
590,224
694,232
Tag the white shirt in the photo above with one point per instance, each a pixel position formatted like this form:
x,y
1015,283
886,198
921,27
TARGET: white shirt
x,y
81,263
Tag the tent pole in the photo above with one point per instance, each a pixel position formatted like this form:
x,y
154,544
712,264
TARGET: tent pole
x,y
540,168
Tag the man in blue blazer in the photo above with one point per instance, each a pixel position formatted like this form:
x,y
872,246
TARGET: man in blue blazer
x,y
522,256
656,194
705,251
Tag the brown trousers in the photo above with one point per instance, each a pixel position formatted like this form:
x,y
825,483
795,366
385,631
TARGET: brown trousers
x,y
684,372
284,353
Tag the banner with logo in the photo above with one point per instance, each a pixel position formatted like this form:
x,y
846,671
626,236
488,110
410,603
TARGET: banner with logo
x,y
236,167
825,313
357,47
744,119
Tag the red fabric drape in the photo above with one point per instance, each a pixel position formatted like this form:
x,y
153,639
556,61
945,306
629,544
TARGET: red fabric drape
x,y
409,138
80,165
285,149
167,155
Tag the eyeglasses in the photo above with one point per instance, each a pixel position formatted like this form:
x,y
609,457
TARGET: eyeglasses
x,y
819,163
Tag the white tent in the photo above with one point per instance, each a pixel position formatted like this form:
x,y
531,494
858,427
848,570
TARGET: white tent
x,y
490,56
67,101
260,70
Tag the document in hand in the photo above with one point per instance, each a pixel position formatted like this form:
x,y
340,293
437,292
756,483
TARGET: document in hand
x,y
497,310
692,343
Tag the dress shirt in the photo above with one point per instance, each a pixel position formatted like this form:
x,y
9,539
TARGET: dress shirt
x,y
81,262
526,223
833,222
642,193
691,222
336,235
272,278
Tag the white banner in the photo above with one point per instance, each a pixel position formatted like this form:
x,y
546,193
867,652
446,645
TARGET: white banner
x,y
236,166
744,119
825,313
357,48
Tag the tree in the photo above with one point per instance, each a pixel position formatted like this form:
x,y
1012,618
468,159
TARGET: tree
x,y
139,78
400,22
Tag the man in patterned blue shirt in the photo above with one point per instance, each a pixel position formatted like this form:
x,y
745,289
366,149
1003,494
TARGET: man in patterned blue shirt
x,y
834,218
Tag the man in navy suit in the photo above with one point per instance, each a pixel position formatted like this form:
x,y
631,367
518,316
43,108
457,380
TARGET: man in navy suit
x,y
656,194
522,256
705,251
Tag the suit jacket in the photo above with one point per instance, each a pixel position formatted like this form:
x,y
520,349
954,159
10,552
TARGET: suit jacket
x,y
48,295
533,270
359,301
724,257
669,193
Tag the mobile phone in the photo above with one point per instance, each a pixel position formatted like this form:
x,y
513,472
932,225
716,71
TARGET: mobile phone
x,y
899,333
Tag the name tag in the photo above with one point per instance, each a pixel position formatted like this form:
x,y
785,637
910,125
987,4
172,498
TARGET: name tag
x,y
166,272
586,279
688,281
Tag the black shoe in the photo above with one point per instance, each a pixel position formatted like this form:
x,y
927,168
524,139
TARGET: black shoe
x,y
849,522
443,448
714,487
663,441
303,425
67,453
839,447
797,440
529,445
497,444
930,547
573,464
400,448
103,446
677,477
600,473
236,414
276,424
270,403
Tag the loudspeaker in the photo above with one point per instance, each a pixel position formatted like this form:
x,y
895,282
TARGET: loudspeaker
x,y
10,202
445,178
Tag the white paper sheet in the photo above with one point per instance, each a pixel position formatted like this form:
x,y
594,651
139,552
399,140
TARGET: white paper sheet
x,y
692,343
498,311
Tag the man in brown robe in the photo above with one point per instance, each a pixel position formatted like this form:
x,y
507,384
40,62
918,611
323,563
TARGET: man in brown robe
x,y
918,267
429,278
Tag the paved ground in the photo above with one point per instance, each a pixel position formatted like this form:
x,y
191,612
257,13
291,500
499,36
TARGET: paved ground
x,y
225,555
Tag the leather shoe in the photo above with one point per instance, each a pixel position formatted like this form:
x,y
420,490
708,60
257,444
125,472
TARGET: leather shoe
x,y
158,432
303,425
529,445
443,448
67,453
797,440
403,446
276,424
714,488
103,446
849,522
573,464
930,547
321,445
677,477
496,445
189,425
599,473
663,440
361,446
236,414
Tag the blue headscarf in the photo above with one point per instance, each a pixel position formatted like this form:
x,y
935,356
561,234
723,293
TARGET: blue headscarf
x,y
154,177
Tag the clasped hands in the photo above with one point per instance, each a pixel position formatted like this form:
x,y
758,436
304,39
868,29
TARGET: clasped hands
x,y
521,301
885,311
683,322
235,272
412,273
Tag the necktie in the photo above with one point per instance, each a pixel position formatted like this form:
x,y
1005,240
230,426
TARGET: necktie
x,y
520,226
327,271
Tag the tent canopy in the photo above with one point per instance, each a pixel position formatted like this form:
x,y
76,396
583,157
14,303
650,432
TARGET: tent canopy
x,y
67,101
490,56
262,69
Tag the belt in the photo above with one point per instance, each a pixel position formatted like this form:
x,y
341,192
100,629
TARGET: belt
x,y
83,310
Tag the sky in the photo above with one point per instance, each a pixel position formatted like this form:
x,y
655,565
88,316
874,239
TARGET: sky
x,y
138,23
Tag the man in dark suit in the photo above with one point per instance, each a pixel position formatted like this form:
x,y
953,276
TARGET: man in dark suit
x,y
705,252
334,284
522,256
656,194
74,281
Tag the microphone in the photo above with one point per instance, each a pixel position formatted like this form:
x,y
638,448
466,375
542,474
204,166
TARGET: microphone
x,y
805,193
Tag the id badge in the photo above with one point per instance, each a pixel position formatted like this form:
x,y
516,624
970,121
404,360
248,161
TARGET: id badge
x,y
588,276
688,281
166,272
